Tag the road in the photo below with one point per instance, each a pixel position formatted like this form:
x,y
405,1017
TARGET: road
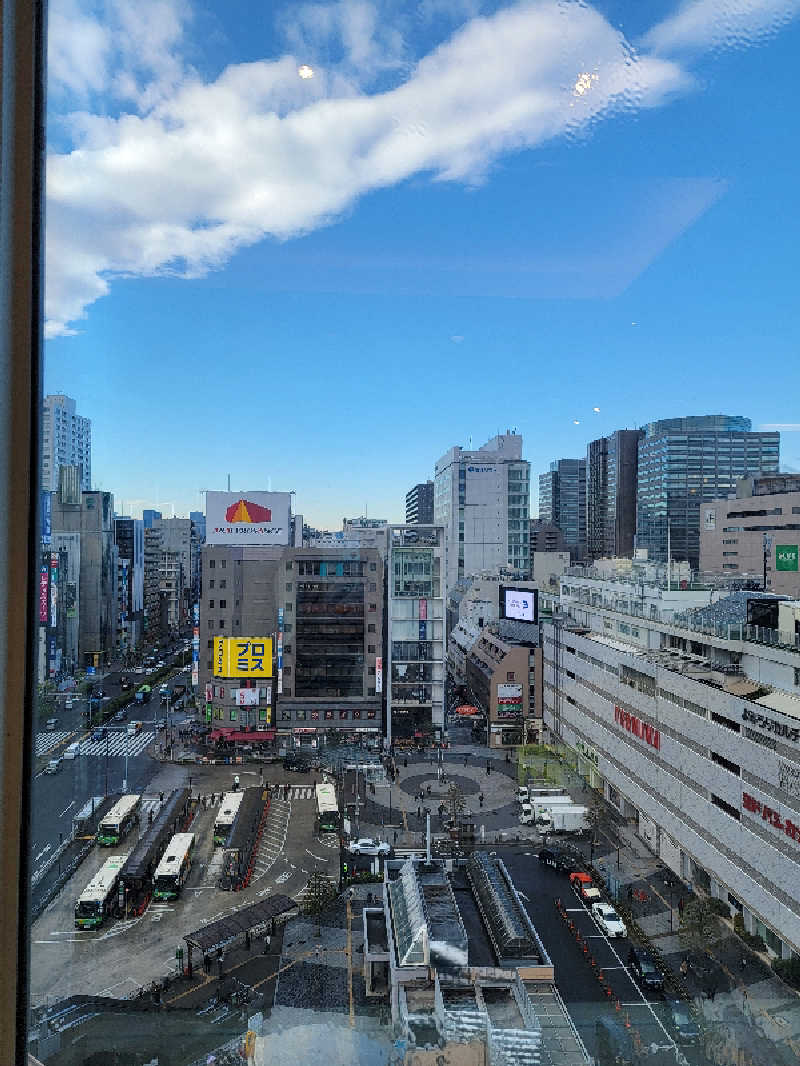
x,y
577,981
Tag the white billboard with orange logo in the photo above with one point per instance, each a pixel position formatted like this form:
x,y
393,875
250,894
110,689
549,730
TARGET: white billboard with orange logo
x,y
248,518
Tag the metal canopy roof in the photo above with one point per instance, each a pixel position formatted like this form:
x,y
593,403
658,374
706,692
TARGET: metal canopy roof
x,y
221,933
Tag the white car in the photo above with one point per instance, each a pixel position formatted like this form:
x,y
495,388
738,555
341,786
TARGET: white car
x,y
368,846
608,920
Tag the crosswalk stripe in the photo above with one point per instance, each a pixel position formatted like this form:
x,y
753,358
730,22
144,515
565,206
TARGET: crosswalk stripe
x,y
47,741
118,746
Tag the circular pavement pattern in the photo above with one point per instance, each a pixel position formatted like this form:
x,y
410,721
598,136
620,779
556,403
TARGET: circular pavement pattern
x,y
410,785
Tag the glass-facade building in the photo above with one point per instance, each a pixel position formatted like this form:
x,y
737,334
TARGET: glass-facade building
x,y
562,500
415,633
686,461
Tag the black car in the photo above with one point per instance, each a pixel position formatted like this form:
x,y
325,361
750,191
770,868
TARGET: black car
x,y
294,761
559,860
645,969
686,1030
613,1043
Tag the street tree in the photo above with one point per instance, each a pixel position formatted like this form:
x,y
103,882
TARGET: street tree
x,y
699,924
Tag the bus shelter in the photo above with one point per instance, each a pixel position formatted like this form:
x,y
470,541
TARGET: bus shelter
x,y
255,920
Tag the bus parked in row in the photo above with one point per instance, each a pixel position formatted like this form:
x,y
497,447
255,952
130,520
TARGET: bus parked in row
x,y
173,870
228,809
327,809
99,898
119,821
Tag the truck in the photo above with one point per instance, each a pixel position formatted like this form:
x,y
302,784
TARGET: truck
x,y
583,888
143,694
178,690
568,819
544,806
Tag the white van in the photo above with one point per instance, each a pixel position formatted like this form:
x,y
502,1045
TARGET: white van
x,y
73,750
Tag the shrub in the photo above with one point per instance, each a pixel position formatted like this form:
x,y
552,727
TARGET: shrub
x,y
738,924
720,907
788,970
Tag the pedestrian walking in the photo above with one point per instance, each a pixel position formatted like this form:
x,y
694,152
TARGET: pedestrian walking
x,y
681,905
405,762
419,811
630,893
466,760
480,800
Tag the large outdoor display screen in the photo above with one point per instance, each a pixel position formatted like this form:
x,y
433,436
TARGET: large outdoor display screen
x,y
521,605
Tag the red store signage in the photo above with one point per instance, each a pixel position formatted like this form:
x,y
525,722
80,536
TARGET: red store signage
x,y
640,729
769,814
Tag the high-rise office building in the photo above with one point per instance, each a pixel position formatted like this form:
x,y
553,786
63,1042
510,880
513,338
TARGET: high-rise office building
x,y
611,466
482,498
419,504
562,500
150,516
686,461
66,441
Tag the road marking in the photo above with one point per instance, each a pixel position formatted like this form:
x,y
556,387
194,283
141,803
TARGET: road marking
x,y
67,809
44,851
281,878
316,858
523,896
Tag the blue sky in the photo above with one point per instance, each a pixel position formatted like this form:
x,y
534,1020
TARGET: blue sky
x,y
472,217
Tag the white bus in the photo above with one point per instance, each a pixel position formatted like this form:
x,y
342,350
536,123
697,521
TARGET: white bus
x,y
172,871
228,809
327,809
119,821
97,899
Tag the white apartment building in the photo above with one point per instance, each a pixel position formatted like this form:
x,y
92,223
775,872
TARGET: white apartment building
x,y
691,729
482,498
66,441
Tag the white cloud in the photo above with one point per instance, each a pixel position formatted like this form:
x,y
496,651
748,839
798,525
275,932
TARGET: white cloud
x,y
198,169
712,25
783,427
457,338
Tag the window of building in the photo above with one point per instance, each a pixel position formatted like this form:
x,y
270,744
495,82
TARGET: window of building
x,y
223,583
222,623
370,649
223,604
224,563
370,692
725,806
373,606
210,604
211,583
728,723
725,554
731,767
730,566
371,627
288,586
509,675
373,566
289,565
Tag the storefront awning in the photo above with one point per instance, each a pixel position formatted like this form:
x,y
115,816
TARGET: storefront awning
x,y
253,736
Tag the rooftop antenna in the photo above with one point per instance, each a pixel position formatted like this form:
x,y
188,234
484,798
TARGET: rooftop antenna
x,y
229,482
